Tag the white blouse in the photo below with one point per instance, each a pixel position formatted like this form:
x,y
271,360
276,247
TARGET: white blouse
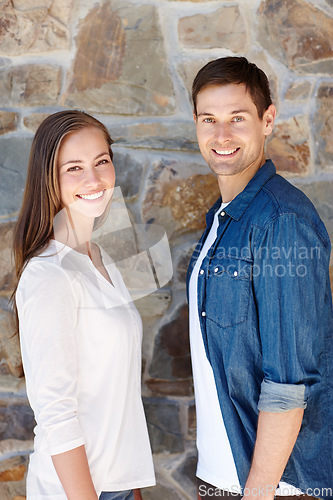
x,y
81,350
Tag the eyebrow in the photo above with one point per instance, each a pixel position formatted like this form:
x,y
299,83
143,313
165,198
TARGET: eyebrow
x,y
80,161
235,112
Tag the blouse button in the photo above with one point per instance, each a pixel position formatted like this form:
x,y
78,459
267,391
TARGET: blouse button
x,y
203,313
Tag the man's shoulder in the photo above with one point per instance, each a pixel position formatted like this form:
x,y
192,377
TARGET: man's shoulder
x,y
280,197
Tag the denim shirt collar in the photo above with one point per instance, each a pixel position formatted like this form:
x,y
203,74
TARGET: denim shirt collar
x,y
238,205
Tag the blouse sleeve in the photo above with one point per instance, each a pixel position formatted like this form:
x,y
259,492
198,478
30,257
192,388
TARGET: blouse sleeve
x,y
47,308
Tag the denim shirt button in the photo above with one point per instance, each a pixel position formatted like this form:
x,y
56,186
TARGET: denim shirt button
x,y
203,313
222,214
201,271
216,269
235,273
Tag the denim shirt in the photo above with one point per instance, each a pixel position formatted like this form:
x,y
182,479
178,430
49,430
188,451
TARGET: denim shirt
x,y
265,309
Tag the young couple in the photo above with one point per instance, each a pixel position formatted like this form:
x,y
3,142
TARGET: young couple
x,y
261,344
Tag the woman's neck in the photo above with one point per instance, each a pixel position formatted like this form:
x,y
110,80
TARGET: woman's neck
x,y
74,230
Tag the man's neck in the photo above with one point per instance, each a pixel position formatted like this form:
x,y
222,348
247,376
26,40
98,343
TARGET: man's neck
x,y
231,185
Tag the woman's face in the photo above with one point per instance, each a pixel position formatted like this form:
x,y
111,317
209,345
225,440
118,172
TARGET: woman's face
x,y
86,172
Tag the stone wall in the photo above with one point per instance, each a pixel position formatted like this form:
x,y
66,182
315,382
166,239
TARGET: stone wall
x,y
131,64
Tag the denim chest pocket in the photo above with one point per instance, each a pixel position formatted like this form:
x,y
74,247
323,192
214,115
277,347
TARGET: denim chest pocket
x,y
228,285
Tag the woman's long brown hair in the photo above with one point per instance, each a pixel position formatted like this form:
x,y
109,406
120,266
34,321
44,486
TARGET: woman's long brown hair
x,y
41,199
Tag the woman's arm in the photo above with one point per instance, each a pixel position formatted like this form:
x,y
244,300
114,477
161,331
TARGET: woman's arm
x,y
73,471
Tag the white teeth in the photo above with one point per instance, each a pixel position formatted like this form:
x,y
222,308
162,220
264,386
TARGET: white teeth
x,y
93,196
227,152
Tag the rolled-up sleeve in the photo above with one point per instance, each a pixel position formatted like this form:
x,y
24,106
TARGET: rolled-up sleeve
x,y
279,398
47,308
289,278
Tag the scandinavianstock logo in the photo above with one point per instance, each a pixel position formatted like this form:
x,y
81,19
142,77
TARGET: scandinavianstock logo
x,y
137,255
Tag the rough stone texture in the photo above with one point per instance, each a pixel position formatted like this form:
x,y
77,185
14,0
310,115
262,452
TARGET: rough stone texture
x,y
34,26
16,420
171,358
132,65
13,469
178,196
164,425
289,146
8,121
120,86
320,193
9,344
14,154
128,173
30,85
33,121
323,125
156,135
223,28
302,37
298,91
7,278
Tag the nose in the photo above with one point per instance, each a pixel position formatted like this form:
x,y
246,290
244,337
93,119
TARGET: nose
x,y
223,132
91,177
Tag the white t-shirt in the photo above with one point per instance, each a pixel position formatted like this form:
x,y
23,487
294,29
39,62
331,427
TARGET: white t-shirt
x,y
81,350
216,463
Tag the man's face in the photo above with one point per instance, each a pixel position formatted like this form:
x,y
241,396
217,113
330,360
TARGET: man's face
x,y
230,134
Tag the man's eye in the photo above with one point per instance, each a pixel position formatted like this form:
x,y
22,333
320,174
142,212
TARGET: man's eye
x,y
238,119
208,120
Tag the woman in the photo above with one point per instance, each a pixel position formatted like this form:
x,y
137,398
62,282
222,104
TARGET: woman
x,y
80,333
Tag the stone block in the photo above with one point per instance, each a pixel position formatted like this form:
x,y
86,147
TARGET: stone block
x,y
171,358
323,126
120,65
128,173
13,469
298,91
163,420
177,136
178,195
170,387
14,154
223,28
185,475
10,353
7,275
320,193
8,122
30,85
301,38
288,146
155,304
32,121
34,26
16,420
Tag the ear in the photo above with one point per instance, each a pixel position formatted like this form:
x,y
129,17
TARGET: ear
x,y
268,119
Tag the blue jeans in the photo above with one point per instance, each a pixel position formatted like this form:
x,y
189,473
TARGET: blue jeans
x,y
117,495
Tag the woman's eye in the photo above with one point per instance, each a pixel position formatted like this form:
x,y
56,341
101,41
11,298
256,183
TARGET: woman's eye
x,y
103,162
73,169
208,120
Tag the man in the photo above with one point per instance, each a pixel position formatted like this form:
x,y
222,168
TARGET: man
x,y
261,319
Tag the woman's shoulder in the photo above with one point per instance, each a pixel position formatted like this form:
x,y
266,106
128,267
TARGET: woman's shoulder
x,y
46,267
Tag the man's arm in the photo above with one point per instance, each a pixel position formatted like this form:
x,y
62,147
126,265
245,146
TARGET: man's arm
x,y
276,436
74,474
